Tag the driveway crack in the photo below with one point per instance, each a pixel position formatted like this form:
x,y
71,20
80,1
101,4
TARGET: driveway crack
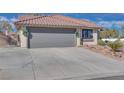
x,y
32,62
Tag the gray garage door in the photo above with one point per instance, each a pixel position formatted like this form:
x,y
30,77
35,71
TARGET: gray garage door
x,y
51,37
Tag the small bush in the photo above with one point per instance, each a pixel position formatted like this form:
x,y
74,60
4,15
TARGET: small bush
x,y
115,45
122,37
101,42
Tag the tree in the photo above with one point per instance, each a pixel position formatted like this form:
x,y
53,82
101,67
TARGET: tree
x,y
6,27
113,33
109,33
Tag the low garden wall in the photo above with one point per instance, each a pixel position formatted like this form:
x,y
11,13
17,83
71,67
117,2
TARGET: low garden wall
x,y
112,39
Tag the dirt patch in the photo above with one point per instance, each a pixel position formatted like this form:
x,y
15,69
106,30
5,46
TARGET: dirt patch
x,y
106,51
3,41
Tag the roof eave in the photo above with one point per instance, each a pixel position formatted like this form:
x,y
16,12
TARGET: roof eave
x,y
47,25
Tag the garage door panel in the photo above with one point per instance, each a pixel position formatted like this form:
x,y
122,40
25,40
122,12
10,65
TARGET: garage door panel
x,y
44,40
49,30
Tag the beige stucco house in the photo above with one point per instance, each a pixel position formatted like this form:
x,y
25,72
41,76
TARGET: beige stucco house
x,y
55,31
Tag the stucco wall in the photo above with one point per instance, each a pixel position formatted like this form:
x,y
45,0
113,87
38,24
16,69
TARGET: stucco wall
x,y
23,39
24,43
78,39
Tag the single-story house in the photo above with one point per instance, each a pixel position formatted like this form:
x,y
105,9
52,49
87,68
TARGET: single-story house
x,y
55,31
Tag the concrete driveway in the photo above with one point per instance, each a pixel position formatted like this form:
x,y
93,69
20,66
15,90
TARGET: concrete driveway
x,y
56,63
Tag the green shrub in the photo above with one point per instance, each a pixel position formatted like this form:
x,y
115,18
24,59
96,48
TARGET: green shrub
x,y
101,42
115,45
121,36
25,32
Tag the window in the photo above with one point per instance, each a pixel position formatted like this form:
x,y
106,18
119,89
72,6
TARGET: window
x,y
87,33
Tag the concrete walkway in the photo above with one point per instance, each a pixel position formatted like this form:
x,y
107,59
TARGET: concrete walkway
x,y
56,63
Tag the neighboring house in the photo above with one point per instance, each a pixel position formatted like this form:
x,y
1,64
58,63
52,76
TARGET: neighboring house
x,y
55,31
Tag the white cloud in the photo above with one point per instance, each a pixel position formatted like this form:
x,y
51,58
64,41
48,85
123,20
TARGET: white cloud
x,y
13,19
12,24
99,19
2,18
86,19
109,24
105,24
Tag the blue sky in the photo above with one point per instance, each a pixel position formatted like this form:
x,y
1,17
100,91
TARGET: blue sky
x,y
99,16
9,15
108,20
91,16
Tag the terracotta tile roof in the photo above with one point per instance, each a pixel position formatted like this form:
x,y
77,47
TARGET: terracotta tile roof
x,y
54,20
78,21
